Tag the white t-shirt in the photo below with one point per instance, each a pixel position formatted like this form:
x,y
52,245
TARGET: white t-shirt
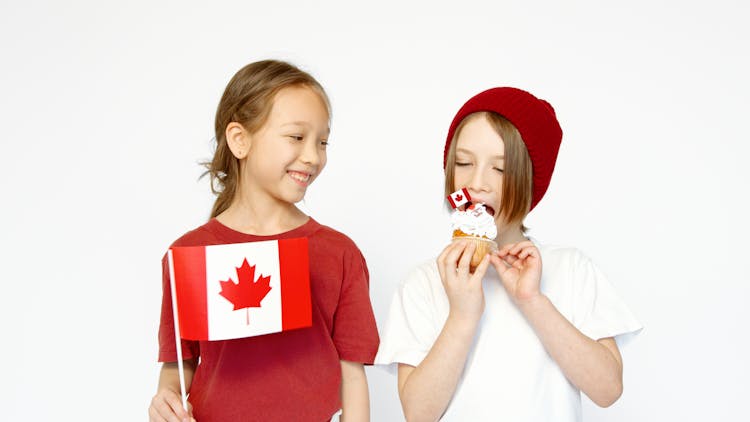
x,y
508,374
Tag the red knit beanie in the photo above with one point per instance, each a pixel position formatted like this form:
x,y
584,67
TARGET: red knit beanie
x,y
536,122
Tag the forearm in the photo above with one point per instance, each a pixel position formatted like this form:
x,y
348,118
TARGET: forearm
x,y
427,389
169,377
591,366
355,397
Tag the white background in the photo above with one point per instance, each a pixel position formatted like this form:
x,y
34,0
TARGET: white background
x,y
106,108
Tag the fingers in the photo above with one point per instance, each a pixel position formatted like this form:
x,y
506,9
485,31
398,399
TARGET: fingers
x,y
441,261
154,416
514,254
520,246
175,402
527,251
444,253
502,260
448,261
514,248
163,413
458,250
166,406
482,268
465,262
501,265
497,261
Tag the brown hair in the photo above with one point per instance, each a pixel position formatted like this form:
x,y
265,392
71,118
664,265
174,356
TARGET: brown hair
x,y
517,175
247,100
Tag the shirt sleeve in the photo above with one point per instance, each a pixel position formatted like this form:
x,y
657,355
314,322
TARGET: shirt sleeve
x,y
411,328
167,349
600,312
355,333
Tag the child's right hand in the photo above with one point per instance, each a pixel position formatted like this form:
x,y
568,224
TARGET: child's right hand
x,y
166,406
463,288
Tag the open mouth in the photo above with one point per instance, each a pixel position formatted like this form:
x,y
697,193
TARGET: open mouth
x,y
469,205
302,178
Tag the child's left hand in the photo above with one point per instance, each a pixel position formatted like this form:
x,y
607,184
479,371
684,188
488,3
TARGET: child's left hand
x,y
520,268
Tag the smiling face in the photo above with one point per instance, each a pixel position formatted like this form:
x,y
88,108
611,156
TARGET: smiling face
x,y
288,152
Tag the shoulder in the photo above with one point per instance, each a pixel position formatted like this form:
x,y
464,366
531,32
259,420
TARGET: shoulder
x,y
567,265
426,270
333,239
560,255
199,236
421,297
423,278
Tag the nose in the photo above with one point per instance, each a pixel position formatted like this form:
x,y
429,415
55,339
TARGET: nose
x,y
478,181
311,154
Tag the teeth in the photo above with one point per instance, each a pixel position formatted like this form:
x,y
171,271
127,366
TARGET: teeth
x,y
299,176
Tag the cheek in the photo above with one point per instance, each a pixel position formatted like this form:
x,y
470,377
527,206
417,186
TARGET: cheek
x,y
323,157
323,162
460,178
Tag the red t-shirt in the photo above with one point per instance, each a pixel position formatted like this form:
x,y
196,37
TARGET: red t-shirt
x,y
289,376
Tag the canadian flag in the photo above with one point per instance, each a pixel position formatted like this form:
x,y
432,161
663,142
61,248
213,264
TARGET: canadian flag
x,y
240,290
459,198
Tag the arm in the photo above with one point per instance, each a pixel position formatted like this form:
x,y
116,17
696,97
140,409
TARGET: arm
x,y
594,367
355,398
426,390
166,405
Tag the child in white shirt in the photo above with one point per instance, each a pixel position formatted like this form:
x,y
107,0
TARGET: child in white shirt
x,y
519,341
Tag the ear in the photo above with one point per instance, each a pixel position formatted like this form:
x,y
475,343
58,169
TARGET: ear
x,y
238,140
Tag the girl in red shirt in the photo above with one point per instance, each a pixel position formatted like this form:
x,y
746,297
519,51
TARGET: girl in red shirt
x,y
272,128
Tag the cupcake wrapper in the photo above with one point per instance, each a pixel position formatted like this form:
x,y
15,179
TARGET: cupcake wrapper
x,y
483,247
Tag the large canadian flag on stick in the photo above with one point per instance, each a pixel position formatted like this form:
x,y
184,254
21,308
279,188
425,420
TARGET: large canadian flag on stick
x,y
240,290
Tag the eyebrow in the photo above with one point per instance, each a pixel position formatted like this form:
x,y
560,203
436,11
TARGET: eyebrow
x,y
296,123
466,151
302,123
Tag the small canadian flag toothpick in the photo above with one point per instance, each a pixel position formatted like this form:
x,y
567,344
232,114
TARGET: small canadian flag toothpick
x,y
459,198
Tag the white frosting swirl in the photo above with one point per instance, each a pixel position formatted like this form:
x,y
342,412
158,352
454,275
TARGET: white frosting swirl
x,y
476,222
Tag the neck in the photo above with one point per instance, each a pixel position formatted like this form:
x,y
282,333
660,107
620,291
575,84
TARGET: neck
x,y
509,234
261,217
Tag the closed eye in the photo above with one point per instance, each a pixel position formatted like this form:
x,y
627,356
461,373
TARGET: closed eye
x,y
499,169
462,164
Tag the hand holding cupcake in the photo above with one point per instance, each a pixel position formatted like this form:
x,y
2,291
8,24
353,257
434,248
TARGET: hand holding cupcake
x,y
475,224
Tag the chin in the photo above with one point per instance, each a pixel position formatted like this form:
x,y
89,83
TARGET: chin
x,y
293,199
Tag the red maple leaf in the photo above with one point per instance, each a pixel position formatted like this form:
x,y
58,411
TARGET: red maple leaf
x,y
459,197
247,292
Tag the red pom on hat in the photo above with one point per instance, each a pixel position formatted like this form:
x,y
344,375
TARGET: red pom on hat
x,y
536,122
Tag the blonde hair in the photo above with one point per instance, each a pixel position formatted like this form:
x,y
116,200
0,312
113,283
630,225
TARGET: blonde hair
x,y
247,100
518,184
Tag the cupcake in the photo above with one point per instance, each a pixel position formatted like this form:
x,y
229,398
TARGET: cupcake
x,y
475,224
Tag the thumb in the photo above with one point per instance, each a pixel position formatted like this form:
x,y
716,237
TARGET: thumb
x,y
190,417
502,269
499,265
482,267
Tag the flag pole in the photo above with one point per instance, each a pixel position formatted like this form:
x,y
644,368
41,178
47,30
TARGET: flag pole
x,y
177,338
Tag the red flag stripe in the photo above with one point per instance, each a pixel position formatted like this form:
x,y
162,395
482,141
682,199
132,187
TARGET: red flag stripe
x,y
296,306
192,307
466,197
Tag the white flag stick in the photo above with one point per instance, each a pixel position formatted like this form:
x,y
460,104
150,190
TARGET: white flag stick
x,y
177,338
